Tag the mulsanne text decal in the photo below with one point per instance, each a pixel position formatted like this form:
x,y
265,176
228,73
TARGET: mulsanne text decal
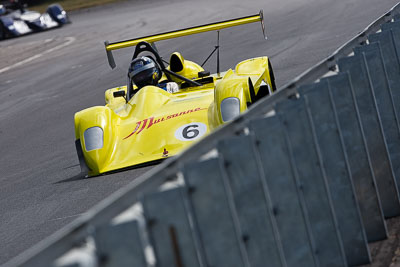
x,y
147,123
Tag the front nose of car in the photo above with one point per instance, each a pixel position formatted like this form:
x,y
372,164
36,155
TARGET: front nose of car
x,y
93,128
93,142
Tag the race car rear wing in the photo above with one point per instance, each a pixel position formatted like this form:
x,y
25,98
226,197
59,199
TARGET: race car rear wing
x,y
183,32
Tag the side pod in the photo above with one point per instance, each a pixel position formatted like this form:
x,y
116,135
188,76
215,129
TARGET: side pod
x,y
261,81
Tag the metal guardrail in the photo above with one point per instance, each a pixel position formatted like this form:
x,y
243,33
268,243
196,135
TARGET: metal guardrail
x,y
305,177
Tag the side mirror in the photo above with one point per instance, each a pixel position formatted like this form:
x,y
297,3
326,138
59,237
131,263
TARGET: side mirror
x,y
202,74
119,94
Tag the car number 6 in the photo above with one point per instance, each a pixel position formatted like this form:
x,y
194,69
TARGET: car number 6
x,y
190,134
191,131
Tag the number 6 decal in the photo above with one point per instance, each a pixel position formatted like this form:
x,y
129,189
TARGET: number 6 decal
x,y
191,131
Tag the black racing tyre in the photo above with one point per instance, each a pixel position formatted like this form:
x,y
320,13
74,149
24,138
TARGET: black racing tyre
x,y
271,76
2,31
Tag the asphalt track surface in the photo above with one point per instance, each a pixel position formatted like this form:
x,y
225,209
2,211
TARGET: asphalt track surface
x,y
45,78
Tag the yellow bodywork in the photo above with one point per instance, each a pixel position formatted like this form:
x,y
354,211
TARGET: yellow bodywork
x,y
155,124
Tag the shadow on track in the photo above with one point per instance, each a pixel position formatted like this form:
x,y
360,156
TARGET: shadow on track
x,y
83,175
79,176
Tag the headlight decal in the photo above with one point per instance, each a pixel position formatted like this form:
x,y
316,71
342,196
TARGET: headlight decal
x,y
93,138
230,108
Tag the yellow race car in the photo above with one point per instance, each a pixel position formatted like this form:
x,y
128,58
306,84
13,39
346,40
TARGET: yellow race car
x,y
164,109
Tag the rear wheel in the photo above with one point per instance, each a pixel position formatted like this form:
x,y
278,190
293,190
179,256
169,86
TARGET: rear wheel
x,y
271,76
2,31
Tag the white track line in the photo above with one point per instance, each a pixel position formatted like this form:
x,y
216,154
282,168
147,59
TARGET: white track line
x,y
69,40
66,217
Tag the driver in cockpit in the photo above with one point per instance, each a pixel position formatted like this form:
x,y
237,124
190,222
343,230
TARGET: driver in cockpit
x,y
144,71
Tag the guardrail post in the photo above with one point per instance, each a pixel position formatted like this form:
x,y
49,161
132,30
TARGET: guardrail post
x,y
391,25
359,161
119,245
371,123
252,201
170,233
385,106
311,175
287,200
329,138
396,17
72,265
214,214
391,63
